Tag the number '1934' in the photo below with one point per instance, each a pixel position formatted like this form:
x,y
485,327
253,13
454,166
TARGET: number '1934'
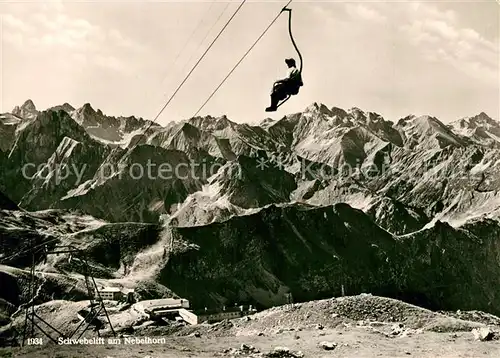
x,y
35,341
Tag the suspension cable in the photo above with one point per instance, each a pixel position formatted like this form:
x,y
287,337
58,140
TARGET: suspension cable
x,y
190,72
241,59
200,22
206,35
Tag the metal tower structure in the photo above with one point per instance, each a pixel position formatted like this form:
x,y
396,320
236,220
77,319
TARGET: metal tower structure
x,y
32,319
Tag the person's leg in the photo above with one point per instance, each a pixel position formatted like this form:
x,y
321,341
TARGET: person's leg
x,y
277,95
274,104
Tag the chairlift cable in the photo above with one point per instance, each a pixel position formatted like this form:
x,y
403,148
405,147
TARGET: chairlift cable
x,y
190,72
202,19
241,59
199,60
206,35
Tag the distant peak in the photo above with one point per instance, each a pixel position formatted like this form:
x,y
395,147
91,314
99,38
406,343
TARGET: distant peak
x,y
339,112
65,107
68,106
374,115
485,118
425,117
429,119
409,117
318,107
267,121
482,120
356,111
210,123
357,114
88,108
27,110
482,114
403,121
28,105
313,106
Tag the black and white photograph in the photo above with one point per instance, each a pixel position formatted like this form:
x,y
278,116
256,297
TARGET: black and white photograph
x,y
249,178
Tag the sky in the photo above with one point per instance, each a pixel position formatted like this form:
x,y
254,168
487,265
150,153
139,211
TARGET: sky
x,y
395,58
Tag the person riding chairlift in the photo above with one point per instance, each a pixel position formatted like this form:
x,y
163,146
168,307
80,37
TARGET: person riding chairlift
x,y
286,86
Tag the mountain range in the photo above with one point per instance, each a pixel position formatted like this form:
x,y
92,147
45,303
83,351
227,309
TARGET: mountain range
x,y
316,203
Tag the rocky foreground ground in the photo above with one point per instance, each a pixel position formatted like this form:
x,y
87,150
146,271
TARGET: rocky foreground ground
x,y
357,326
